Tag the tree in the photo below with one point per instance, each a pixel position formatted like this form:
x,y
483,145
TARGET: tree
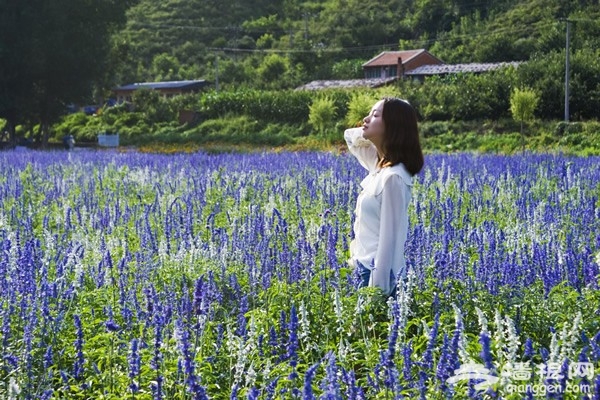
x,y
52,54
522,106
272,69
15,85
165,67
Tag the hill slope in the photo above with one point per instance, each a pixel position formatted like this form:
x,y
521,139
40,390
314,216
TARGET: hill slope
x,y
303,40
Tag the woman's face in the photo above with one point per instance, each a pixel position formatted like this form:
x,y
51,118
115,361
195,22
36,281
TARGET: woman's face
x,y
374,126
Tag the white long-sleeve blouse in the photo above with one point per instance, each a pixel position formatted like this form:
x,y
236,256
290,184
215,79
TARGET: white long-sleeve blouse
x,y
381,217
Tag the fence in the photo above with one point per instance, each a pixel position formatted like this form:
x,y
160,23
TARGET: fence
x,y
108,140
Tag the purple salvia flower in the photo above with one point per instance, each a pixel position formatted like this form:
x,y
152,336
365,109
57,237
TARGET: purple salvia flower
x,y
111,325
149,294
156,388
583,358
6,318
254,394
564,372
283,335
156,361
528,351
374,381
183,343
391,375
241,319
273,341
349,380
65,379
134,366
544,353
442,370
79,359
12,360
360,394
220,336
388,363
323,284
486,354
48,359
127,315
406,368
330,384
199,295
270,389
295,269
234,392
293,342
260,345
428,355
122,280
307,393
103,265
595,347
393,335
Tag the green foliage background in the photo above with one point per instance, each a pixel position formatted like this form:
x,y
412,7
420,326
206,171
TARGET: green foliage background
x,y
461,112
259,52
285,43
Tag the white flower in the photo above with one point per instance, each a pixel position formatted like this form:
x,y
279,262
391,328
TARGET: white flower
x,y
13,389
568,338
554,349
304,322
482,321
462,351
499,337
339,317
512,340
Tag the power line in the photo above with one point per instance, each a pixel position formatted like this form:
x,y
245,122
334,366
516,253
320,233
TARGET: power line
x,y
440,38
311,50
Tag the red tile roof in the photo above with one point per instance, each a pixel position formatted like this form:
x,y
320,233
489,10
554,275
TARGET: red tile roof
x,y
387,58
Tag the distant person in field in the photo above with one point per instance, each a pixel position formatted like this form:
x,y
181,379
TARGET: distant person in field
x,y
388,146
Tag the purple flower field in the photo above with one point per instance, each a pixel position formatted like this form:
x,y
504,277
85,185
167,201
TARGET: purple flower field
x,y
145,276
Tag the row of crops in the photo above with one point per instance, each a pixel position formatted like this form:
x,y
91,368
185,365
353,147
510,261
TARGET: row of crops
x,y
146,276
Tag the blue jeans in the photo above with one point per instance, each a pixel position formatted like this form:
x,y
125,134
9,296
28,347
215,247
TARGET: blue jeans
x,y
365,275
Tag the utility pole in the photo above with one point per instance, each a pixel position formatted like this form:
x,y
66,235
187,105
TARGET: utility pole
x,y
305,15
567,67
217,73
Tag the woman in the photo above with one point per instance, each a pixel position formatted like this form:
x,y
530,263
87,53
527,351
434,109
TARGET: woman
x,y
388,146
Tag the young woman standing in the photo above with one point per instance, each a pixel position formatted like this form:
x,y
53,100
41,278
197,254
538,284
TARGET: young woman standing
x,y
388,146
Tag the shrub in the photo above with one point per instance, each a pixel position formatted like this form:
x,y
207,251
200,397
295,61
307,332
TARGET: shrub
x,y
435,128
239,130
267,106
358,107
321,114
71,124
154,107
565,128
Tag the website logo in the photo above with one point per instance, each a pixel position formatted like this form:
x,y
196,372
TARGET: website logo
x,y
474,372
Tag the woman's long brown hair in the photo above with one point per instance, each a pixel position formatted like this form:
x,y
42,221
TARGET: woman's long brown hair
x,y
401,142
